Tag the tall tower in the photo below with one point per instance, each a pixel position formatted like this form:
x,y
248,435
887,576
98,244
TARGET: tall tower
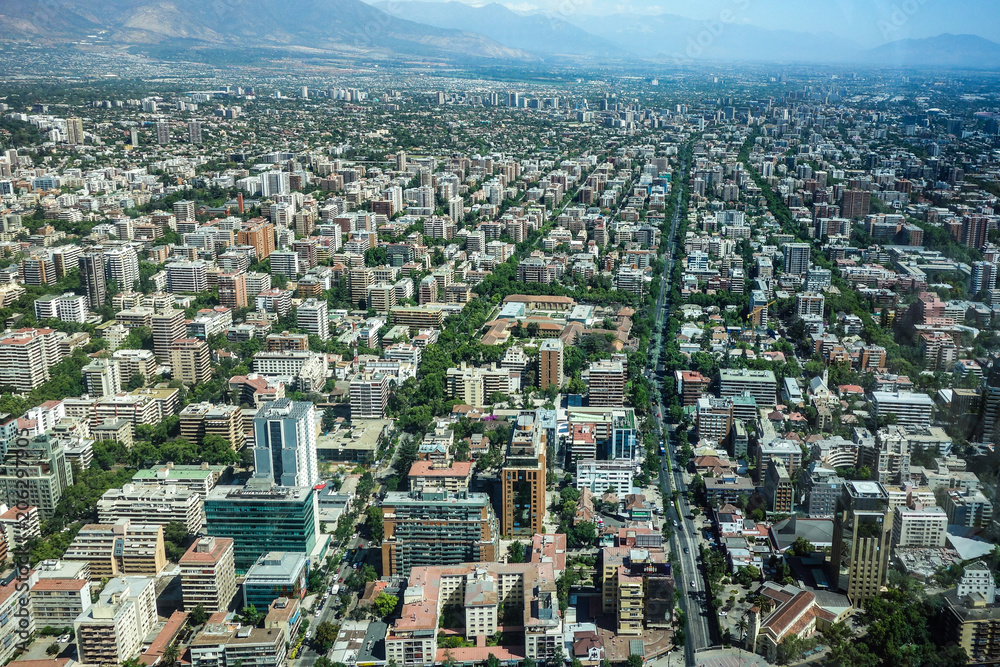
x,y
93,278
523,478
550,363
862,531
285,443
74,130
163,133
194,132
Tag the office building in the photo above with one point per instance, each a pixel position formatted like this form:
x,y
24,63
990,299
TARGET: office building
x,y
313,316
37,472
602,477
168,327
92,276
523,478
369,395
437,527
102,377
798,258
551,359
260,517
151,504
276,574
119,548
606,383
778,488
862,531
208,574
285,443
190,361
112,630
761,385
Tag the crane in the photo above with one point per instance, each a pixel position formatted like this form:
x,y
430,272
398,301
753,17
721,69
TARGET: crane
x,y
753,314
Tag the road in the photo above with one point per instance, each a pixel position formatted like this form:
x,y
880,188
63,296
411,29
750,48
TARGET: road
x,y
684,542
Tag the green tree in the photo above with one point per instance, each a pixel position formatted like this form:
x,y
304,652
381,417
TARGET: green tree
x,y
515,552
802,548
373,520
385,604
634,660
250,616
198,615
326,635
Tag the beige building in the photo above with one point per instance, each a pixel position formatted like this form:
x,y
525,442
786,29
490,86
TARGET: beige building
x,y
636,588
191,361
57,602
208,574
606,383
113,629
862,531
551,358
201,419
925,527
120,548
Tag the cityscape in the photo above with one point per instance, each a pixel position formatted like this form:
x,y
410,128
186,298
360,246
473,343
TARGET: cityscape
x,y
414,333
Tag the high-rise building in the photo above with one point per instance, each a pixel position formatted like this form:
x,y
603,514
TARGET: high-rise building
x,y
194,132
163,133
313,316
369,395
797,258
233,290
551,357
152,504
984,277
988,428
102,377
855,204
40,468
258,233
261,517
862,532
190,361
606,383
122,267
112,630
92,275
435,527
523,478
762,385
638,588
187,277
168,327
285,443
208,574
74,130
361,278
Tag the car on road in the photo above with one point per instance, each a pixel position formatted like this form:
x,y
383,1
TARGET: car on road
x,y
723,613
692,583
686,550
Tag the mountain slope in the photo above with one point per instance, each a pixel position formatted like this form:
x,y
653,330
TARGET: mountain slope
x,y
946,51
534,32
317,24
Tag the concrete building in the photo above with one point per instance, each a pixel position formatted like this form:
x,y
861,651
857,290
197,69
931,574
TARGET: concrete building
x,y
637,588
285,443
151,504
798,258
168,327
38,468
968,508
313,316
524,592
909,409
778,487
119,548
974,624
603,476
551,359
369,395
924,527
190,361
523,478
220,644
102,377
208,574
862,531
606,383
198,478
57,602
437,527
199,420
762,385
112,630
714,419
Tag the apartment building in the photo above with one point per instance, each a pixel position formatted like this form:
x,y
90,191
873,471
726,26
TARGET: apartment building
x,y
925,527
909,409
600,477
168,327
417,317
606,383
551,360
203,419
198,478
762,385
523,477
434,526
637,588
119,548
26,356
714,419
102,377
112,630
39,470
57,602
369,395
151,504
190,361
208,574
477,386
285,443
219,644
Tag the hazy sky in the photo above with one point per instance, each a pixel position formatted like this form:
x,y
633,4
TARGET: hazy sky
x,y
868,22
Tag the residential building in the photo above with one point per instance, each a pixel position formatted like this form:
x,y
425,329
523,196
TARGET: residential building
x,y
198,478
313,316
102,377
38,467
973,623
285,443
714,419
369,395
778,487
112,630
92,276
219,644
969,508
151,504
57,602
601,477
208,574
190,361
909,408
798,258
199,420
762,385
120,548
258,233
925,527
26,357
233,290
168,327
551,360
434,526
451,476
523,477
637,588
606,383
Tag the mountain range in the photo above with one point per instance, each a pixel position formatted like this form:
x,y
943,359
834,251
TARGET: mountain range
x,y
457,32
